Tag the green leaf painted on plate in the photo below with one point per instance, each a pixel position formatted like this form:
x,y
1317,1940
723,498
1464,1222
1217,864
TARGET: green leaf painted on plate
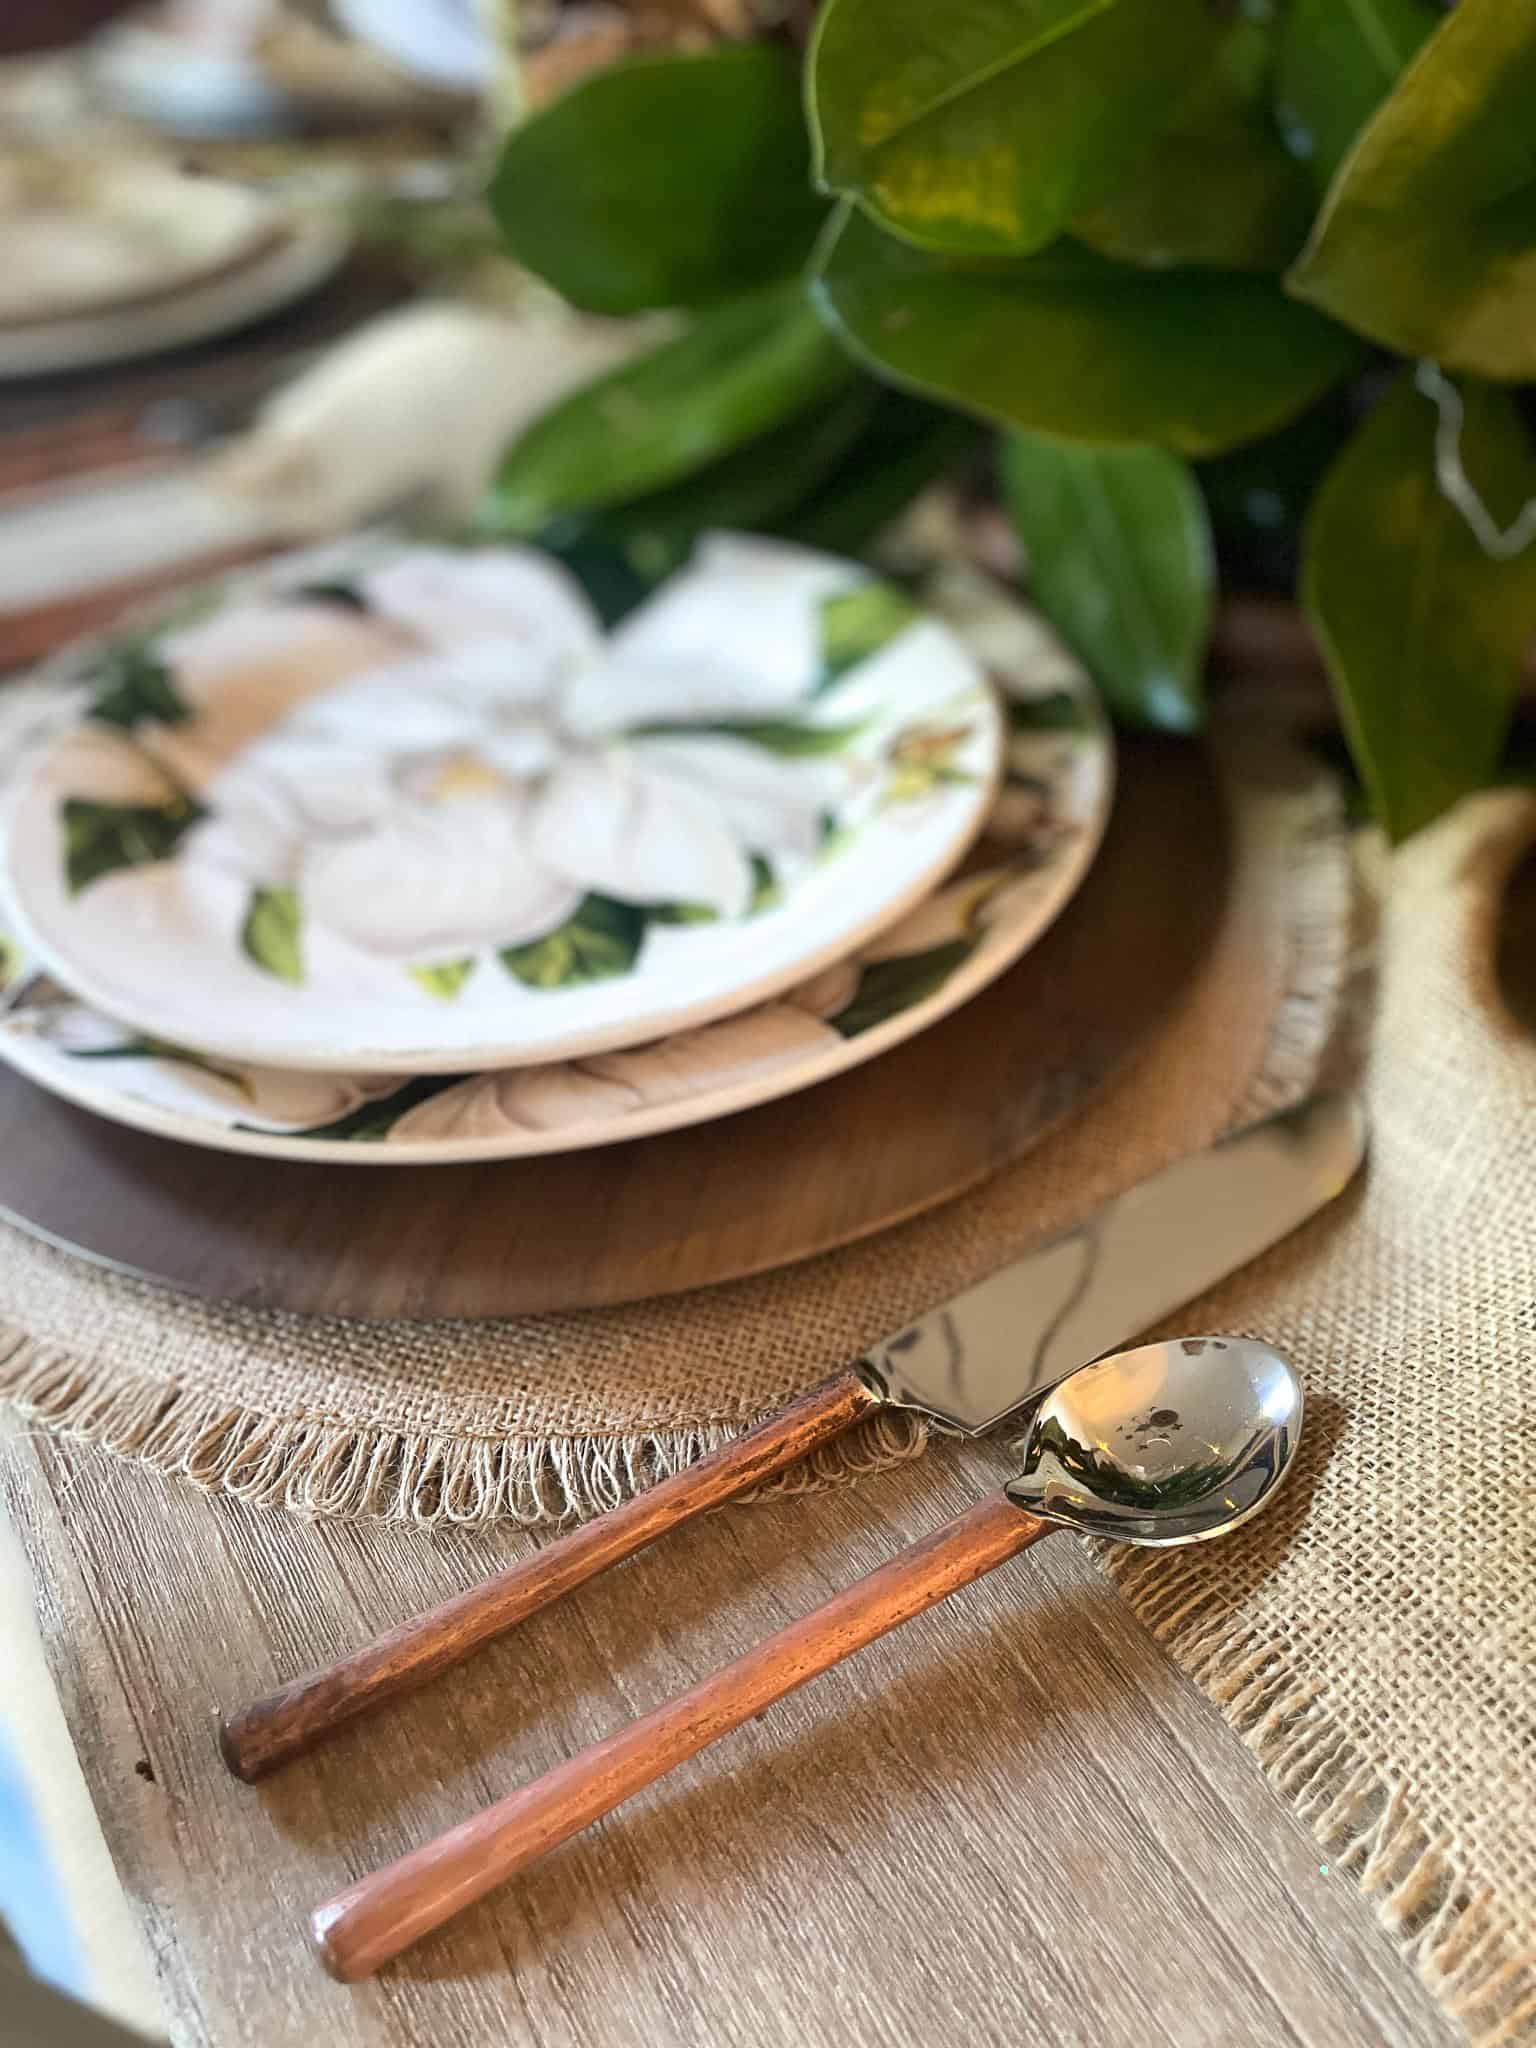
x,y
1427,240
739,371
681,913
600,939
1121,563
1072,344
785,736
272,934
766,893
371,1122
10,961
1055,711
346,595
99,839
1422,631
664,181
143,1047
1217,187
857,623
888,987
1337,61
133,687
985,125
446,980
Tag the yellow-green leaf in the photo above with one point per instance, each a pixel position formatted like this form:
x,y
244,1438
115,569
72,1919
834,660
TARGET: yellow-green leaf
x,y
1423,631
985,125
1427,240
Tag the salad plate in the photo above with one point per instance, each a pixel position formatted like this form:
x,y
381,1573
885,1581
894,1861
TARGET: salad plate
x,y
1042,829
388,808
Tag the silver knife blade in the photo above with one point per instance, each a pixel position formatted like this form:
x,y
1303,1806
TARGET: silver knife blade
x,y
1003,1342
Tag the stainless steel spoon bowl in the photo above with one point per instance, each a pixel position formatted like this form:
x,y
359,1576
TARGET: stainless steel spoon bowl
x,y
1167,1444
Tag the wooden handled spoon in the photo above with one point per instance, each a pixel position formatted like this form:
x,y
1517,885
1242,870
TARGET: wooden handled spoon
x,y
1165,1445
970,1365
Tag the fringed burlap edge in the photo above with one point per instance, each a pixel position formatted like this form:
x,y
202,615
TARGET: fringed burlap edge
x,y
319,1468
1476,1962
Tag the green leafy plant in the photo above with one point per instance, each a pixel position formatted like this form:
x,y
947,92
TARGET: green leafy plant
x,y
1159,251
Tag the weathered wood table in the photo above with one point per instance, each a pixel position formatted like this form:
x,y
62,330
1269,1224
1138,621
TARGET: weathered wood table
x,y
1011,1820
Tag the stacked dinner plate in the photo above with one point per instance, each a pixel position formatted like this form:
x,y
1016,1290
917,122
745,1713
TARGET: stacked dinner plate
x,y
111,256
390,853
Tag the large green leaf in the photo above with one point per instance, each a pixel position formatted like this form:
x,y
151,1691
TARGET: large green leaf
x,y
1120,560
1069,343
665,181
1218,187
908,444
740,370
1427,241
1338,60
1422,630
985,125
756,486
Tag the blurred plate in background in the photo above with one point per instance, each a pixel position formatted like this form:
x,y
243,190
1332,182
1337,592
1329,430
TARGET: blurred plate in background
x,y
295,260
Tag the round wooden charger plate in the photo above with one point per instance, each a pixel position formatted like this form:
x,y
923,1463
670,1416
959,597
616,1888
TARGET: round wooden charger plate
x,y
692,1208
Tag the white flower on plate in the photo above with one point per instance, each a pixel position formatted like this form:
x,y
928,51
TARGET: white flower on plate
x,y
473,793
241,671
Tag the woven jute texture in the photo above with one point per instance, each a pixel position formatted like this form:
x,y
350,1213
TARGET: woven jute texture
x,y
1375,1638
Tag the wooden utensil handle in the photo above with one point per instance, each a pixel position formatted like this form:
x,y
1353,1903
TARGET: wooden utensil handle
x,y
374,1919
257,1738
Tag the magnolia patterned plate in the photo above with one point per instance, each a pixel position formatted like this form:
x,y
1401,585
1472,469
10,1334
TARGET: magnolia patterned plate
x,y
1041,835
409,809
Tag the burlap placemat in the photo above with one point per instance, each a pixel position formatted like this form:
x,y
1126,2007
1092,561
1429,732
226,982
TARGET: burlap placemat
x,y
545,1416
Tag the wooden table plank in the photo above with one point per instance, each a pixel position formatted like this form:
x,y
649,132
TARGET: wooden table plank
x,y
1012,1817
